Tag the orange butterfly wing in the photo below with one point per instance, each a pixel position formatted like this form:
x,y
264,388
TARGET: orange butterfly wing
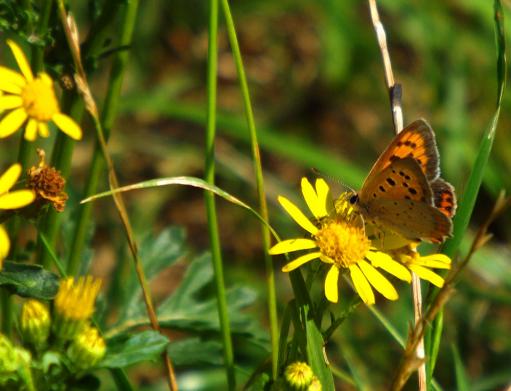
x,y
444,197
401,179
417,140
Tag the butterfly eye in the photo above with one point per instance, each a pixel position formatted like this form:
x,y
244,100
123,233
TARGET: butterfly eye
x,y
353,199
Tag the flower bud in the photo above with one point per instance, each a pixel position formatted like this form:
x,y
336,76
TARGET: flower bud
x,y
87,348
35,323
298,375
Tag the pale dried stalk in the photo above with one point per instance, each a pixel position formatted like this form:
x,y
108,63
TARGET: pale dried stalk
x,y
71,32
397,117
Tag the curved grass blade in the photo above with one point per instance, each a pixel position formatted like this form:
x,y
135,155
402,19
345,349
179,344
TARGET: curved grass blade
x,y
467,203
184,181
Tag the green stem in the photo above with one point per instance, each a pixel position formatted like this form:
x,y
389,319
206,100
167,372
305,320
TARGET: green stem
x,y
108,114
263,208
25,152
61,160
209,197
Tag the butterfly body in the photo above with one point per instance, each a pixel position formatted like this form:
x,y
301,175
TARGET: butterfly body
x,y
403,194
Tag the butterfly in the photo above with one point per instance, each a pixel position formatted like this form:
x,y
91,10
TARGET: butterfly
x,y
403,195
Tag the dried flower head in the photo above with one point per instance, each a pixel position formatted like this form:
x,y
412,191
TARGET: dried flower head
x,y
48,184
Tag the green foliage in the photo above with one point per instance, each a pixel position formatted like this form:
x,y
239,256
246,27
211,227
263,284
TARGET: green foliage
x,y
129,349
29,280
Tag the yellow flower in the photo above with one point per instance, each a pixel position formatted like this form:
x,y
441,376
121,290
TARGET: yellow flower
x,y
422,265
339,242
13,199
5,245
74,305
31,98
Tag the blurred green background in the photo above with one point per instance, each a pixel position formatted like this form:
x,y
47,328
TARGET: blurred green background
x,y
317,85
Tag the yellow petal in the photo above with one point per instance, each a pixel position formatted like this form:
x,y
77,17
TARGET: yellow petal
x,y
322,190
297,215
428,275
9,87
9,178
331,286
9,76
21,60
43,129
290,245
385,262
5,244
300,261
361,285
309,194
10,102
16,199
435,261
67,125
12,122
378,280
31,130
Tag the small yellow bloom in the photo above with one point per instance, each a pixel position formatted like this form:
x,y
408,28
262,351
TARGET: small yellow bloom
x,y
298,375
33,99
339,241
74,305
13,199
87,349
35,323
422,265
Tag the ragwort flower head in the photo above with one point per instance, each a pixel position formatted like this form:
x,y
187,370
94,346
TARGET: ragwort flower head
x,y
422,265
74,305
31,99
339,241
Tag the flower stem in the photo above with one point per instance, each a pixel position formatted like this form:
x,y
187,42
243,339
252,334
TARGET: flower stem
x,y
263,208
61,160
216,254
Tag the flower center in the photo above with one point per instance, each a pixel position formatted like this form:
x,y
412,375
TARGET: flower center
x,y
343,243
39,99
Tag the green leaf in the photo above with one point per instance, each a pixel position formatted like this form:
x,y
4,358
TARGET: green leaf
x,y
462,380
188,308
157,253
195,352
29,280
130,349
475,179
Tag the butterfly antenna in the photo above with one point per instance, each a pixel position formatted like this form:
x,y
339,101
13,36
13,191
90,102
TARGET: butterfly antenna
x,y
332,179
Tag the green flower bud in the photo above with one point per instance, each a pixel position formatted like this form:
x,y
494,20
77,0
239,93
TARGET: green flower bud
x,y
298,375
14,364
87,349
35,323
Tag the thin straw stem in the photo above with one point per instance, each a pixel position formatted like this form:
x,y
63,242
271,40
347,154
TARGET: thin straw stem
x,y
397,117
263,208
108,114
214,237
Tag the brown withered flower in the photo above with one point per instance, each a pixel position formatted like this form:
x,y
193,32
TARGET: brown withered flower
x,y
48,184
